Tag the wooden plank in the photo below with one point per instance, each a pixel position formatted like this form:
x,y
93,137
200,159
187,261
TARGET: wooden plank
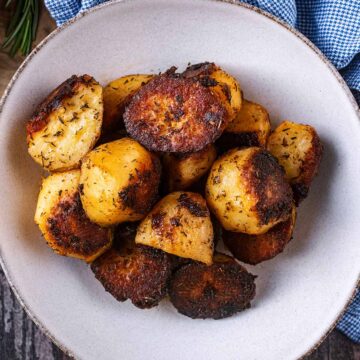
x,y
19,336
340,348
9,65
322,352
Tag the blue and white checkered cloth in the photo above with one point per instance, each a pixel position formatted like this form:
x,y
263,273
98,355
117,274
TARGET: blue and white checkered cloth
x,y
332,25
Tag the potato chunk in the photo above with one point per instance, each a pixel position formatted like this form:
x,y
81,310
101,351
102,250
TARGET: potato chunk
x,y
119,182
253,249
251,127
175,114
225,85
216,291
247,191
117,95
298,149
233,91
179,224
183,170
62,220
136,272
66,126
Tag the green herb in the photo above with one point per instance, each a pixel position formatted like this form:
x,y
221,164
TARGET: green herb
x,y
22,28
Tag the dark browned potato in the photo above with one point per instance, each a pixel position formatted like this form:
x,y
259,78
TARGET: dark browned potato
x,y
247,191
225,85
136,272
67,124
119,182
117,95
180,225
172,113
299,150
251,127
62,220
182,170
253,249
216,291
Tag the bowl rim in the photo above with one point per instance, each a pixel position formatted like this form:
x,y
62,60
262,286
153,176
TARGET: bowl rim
x,y
259,11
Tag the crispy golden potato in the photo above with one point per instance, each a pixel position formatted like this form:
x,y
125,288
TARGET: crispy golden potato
x,y
175,114
119,182
299,150
66,126
233,91
136,272
225,85
251,127
203,74
216,291
181,170
247,191
253,249
117,95
179,224
62,220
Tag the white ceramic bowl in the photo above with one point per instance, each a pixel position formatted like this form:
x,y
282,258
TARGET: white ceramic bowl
x,y
300,293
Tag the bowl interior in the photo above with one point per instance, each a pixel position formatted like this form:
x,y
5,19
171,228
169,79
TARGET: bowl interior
x,y
300,293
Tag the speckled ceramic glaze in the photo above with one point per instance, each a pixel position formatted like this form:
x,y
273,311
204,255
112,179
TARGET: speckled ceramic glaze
x,y
300,293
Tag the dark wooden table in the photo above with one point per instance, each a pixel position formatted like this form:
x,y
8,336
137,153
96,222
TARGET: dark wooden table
x,y
19,336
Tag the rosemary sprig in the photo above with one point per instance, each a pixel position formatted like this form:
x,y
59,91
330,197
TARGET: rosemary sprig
x,y
22,28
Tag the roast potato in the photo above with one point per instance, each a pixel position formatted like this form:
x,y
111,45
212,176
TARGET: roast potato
x,y
251,127
233,91
225,85
298,149
67,124
181,170
247,191
172,113
179,224
119,182
117,94
136,272
63,222
216,291
253,249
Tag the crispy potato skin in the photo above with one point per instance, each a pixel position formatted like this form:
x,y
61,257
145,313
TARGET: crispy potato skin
x,y
299,150
253,249
136,272
226,86
119,182
231,88
183,170
117,94
179,224
216,291
67,124
200,70
251,127
247,191
175,114
63,222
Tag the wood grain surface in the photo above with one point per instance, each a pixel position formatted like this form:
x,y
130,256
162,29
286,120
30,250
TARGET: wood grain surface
x,y
21,339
